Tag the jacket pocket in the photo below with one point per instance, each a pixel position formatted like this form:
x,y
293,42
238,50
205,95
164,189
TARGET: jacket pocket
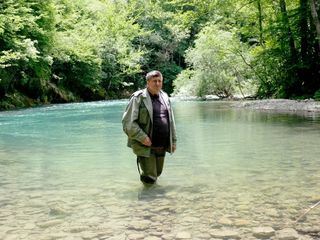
x,y
143,116
140,150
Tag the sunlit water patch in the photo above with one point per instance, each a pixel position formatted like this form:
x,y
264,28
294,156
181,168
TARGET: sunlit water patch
x,y
66,173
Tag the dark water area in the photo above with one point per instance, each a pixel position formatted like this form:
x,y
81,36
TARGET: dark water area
x,y
66,173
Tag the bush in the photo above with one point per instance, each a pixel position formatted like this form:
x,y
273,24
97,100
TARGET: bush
x,y
317,95
218,63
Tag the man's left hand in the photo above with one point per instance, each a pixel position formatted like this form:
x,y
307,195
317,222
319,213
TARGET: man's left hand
x,y
174,147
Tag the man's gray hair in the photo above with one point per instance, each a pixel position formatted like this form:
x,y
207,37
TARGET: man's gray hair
x,y
152,74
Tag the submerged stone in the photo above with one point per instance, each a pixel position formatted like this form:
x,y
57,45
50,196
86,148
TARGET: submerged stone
x,y
191,219
222,234
263,232
135,236
50,223
225,221
152,238
167,236
183,235
272,213
140,225
203,236
57,210
287,234
241,222
78,229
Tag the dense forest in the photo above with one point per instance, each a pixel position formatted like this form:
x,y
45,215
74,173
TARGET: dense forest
x,y
58,51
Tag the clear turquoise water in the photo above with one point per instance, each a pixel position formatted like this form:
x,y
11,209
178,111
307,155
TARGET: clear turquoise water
x,y
65,171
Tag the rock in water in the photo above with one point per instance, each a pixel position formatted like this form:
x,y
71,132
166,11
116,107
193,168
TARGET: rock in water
x,y
263,232
287,234
183,235
225,234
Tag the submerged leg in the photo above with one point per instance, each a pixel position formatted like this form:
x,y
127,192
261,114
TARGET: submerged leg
x,y
149,169
151,166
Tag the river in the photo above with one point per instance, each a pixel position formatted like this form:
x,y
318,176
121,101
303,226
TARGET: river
x,y
66,173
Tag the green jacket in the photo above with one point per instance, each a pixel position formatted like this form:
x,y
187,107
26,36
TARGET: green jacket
x,y
137,121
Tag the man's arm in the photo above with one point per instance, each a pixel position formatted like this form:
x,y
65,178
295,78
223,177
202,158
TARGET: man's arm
x,y
173,130
130,125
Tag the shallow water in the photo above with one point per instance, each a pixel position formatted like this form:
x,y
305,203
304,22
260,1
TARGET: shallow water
x,y
66,173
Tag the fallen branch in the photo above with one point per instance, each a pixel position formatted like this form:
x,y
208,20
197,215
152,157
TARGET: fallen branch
x,y
308,210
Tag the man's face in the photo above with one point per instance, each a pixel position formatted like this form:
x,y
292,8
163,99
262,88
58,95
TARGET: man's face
x,y
154,85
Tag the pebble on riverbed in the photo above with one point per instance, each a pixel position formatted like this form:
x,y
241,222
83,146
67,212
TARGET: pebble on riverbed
x,y
263,232
225,234
287,234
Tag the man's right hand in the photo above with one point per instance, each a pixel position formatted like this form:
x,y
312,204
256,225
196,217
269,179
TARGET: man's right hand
x,y
147,142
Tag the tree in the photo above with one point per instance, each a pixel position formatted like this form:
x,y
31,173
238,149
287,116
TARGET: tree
x,y
218,63
26,39
316,20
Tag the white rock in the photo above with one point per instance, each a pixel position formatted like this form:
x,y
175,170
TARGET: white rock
x,y
88,235
57,210
152,238
167,236
29,226
139,225
263,232
135,236
241,222
287,234
57,235
157,233
225,221
183,235
191,219
217,233
73,238
272,212
204,236
12,237
78,229
50,223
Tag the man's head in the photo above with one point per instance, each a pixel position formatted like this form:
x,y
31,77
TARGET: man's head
x,y
154,81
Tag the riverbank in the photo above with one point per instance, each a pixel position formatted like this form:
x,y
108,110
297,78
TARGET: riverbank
x,y
282,105
286,105
18,100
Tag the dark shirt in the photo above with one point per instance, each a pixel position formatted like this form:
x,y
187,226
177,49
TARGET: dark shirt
x,y
160,131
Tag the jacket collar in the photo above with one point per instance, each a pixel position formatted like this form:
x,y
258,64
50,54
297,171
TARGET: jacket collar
x,y
148,103
145,94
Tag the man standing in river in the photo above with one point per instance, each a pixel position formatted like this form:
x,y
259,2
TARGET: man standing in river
x,y
149,124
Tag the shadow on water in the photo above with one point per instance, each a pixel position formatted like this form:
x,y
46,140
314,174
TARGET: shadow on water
x,y
149,192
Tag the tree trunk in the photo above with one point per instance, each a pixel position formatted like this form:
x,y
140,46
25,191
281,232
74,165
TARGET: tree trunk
x,y
260,22
304,30
285,18
315,18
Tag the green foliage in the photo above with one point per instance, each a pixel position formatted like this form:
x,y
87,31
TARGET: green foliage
x,y
218,63
73,50
166,35
26,40
287,61
121,59
184,84
317,95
